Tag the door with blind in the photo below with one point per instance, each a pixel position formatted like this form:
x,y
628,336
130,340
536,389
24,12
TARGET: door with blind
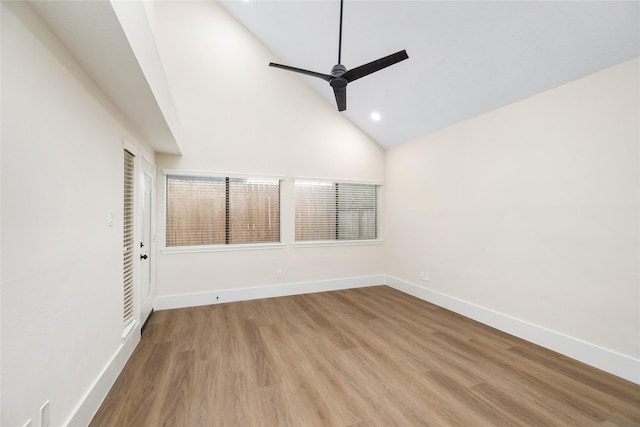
x,y
147,240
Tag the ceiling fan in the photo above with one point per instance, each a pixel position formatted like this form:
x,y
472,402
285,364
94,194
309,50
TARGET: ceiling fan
x,y
340,76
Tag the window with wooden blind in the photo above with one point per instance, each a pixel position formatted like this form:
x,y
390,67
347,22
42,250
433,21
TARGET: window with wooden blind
x,y
335,211
128,229
207,211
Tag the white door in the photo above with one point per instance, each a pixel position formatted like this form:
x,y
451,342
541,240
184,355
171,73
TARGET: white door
x,y
147,241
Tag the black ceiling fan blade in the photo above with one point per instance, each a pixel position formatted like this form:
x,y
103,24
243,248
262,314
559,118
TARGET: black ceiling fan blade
x,y
373,66
326,77
341,97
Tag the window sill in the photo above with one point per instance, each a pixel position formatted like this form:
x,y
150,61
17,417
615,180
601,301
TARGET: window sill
x,y
323,243
220,248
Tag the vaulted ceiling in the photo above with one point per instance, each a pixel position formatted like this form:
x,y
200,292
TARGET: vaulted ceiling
x,y
465,58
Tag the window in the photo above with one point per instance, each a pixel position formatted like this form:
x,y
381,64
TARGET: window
x,y
204,211
336,211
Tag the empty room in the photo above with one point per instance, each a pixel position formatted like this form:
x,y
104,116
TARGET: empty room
x,y
320,213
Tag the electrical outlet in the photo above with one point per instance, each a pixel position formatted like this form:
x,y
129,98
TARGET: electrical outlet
x,y
424,276
44,414
278,274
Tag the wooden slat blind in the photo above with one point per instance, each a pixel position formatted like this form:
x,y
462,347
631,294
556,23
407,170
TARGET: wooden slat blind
x,y
335,211
128,229
195,211
315,210
254,211
221,210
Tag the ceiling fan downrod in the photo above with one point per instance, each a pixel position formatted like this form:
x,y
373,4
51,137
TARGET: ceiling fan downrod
x,y
340,34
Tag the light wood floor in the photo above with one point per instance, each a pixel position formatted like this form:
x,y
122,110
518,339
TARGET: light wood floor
x,y
360,357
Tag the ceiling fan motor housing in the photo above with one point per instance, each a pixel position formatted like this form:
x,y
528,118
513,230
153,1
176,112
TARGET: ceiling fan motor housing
x,y
338,81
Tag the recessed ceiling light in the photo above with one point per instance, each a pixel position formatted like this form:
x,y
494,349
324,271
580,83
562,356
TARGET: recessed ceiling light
x,y
375,116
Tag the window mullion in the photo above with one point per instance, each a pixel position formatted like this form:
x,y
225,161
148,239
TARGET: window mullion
x,y
226,212
337,211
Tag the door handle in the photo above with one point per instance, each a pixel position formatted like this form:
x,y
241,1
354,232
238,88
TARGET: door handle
x,y
143,257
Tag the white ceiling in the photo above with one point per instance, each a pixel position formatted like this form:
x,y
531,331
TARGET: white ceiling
x,y
465,58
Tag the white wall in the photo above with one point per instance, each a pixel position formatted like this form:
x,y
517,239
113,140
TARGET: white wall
x,y
239,115
530,210
61,264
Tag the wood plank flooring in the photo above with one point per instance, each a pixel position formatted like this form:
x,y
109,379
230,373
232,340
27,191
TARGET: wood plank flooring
x,y
360,357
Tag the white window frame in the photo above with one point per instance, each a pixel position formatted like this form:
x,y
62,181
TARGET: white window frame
x,y
223,247
324,243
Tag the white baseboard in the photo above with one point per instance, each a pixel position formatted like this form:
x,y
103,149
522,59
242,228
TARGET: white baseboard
x,y
609,361
267,291
90,403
